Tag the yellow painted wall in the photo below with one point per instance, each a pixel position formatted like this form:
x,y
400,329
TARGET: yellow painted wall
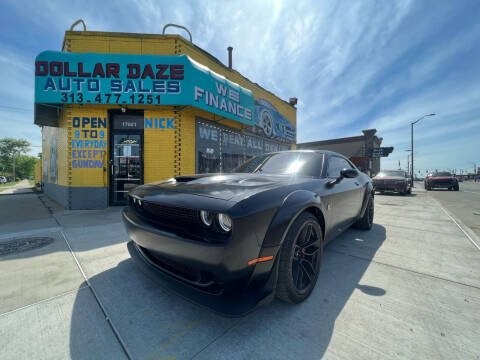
x,y
81,176
158,149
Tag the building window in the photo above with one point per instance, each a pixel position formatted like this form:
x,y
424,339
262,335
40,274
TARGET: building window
x,y
208,148
220,149
233,153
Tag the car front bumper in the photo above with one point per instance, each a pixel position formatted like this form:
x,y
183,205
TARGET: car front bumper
x,y
400,187
213,275
442,184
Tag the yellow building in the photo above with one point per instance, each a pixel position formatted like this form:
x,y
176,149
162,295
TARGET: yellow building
x,y
118,110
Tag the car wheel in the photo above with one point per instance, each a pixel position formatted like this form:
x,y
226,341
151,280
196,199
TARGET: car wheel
x,y
300,258
366,221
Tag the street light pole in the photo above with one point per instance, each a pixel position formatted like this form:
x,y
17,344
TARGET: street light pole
x,y
411,138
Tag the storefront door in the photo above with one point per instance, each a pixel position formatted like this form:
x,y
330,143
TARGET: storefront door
x,y
126,161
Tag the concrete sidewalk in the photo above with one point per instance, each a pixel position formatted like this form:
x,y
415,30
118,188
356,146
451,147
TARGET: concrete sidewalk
x,y
23,187
410,288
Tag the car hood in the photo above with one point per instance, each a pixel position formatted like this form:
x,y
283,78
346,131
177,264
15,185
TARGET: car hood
x,y
389,178
219,186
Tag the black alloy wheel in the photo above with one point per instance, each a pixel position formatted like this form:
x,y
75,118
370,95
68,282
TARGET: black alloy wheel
x,y
300,259
305,257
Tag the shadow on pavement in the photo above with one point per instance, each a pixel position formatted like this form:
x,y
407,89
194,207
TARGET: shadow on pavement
x,y
156,323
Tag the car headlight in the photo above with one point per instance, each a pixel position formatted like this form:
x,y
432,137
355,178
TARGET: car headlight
x,y
225,222
206,217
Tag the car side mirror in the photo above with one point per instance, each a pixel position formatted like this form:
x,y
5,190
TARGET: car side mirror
x,y
349,173
345,173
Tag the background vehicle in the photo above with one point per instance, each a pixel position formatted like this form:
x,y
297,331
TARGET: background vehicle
x,y
234,241
3,179
392,181
441,180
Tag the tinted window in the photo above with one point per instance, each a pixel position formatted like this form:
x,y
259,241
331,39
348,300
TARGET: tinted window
x,y
442,173
335,165
294,163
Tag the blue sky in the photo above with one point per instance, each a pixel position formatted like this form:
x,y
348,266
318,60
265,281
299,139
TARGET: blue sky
x,y
353,65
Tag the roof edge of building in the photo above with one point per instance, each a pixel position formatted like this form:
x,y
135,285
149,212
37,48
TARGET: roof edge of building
x,y
333,141
166,36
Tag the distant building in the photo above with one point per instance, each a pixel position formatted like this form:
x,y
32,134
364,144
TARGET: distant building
x,y
357,148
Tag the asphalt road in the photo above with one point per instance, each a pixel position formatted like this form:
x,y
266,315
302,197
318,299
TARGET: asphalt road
x,y
463,204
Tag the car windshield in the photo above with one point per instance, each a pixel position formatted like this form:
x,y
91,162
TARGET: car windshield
x,y
391,173
442,173
284,163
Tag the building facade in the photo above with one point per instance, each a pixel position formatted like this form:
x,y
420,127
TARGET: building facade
x,y
359,149
118,110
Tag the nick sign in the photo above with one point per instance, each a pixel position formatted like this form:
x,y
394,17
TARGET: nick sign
x,y
79,78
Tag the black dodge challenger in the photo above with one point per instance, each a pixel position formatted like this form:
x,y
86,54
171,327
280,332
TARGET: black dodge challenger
x,y
232,242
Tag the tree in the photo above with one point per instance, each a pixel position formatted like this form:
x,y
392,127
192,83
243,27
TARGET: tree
x,y
9,147
25,166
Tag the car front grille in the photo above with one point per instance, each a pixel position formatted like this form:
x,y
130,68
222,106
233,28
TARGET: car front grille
x,y
442,182
168,214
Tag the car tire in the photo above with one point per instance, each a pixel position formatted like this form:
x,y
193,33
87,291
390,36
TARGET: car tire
x,y
298,271
366,221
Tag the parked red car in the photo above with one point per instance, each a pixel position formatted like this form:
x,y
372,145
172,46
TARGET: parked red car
x,y
392,180
441,180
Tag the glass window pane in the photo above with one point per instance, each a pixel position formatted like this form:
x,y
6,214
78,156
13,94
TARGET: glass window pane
x,y
335,165
232,150
208,148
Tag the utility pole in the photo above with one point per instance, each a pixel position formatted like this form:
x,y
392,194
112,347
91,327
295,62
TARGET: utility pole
x,y
14,166
411,138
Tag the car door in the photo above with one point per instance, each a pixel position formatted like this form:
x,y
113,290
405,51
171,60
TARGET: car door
x,y
343,200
